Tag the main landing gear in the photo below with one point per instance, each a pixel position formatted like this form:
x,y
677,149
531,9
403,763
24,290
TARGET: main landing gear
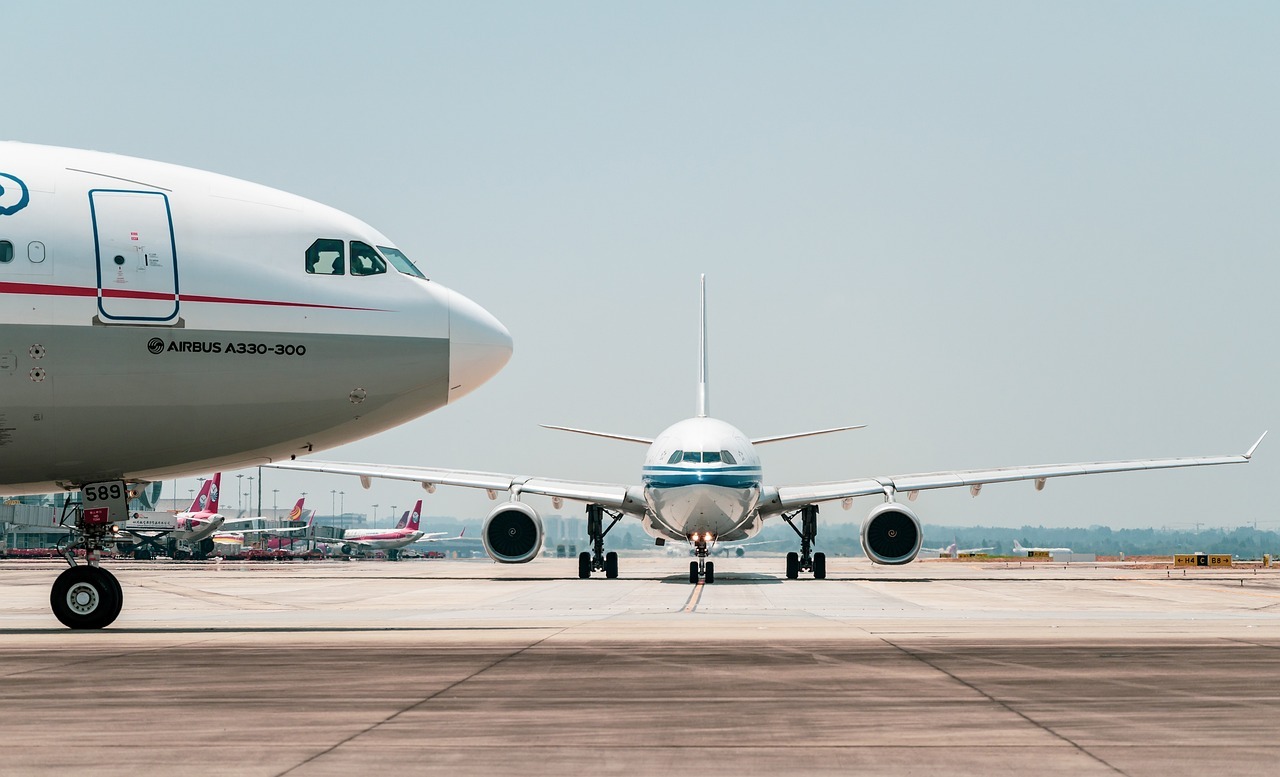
x,y
86,596
805,561
596,560
706,570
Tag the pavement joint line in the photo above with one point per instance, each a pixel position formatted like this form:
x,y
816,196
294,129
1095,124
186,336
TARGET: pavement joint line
x,y
1005,705
421,702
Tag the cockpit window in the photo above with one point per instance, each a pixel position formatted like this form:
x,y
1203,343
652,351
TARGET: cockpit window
x,y
727,457
693,456
401,262
675,457
326,257
711,457
365,260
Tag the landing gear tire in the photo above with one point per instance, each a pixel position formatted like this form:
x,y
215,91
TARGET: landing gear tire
x,y
793,565
693,572
710,576
86,597
584,565
611,565
819,566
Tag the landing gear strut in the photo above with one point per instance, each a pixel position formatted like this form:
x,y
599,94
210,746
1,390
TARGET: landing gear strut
x,y
596,560
706,570
86,596
805,560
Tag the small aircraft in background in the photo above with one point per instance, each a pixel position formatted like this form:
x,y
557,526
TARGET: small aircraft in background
x,y
1021,551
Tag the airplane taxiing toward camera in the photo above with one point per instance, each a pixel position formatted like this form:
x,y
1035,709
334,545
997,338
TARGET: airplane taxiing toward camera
x,y
139,298
702,483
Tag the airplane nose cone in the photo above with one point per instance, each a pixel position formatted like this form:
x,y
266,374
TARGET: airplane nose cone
x,y
479,346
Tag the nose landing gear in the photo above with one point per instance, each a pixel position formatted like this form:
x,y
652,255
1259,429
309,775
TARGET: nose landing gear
x,y
701,569
805,560
86,596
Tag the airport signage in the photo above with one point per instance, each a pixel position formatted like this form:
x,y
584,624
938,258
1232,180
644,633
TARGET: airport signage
x,y
1202,560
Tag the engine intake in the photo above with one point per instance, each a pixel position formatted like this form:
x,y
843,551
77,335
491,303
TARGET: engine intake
x,y
891,534
512,533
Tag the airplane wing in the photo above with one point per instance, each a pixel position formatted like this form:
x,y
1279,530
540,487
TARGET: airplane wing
x,y
791,497
607,494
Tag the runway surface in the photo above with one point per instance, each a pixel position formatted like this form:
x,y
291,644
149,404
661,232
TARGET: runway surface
x,y
470,668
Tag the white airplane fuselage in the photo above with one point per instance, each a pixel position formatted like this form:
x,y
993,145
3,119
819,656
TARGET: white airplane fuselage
x,y
158,321
702,477
381,539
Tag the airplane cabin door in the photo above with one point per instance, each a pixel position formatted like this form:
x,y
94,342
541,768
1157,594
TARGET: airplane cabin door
x,y
137,257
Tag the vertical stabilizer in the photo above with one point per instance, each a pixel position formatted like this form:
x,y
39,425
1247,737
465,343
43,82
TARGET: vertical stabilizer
x,y
415,516
703,400
213,493
296,513
207,500
404,520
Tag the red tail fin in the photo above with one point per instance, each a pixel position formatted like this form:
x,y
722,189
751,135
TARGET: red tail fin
x,y
296,513
415,516
207,499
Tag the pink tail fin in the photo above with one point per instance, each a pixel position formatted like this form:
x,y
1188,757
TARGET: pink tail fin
x,y
207,499
415,516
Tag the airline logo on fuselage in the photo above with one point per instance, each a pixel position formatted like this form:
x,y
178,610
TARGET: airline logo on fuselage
x,y
13,195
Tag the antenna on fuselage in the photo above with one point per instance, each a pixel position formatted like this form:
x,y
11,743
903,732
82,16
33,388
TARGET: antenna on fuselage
x,y
703,404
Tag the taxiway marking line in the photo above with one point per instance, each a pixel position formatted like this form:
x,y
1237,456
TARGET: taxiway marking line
x,y
694,597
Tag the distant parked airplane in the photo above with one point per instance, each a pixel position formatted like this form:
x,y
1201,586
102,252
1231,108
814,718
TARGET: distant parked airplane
x,y
1018,549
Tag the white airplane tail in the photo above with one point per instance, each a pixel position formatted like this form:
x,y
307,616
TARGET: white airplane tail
x,y
1017,547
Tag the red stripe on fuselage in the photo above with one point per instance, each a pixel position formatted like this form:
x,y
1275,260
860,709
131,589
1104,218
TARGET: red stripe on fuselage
x,y
51,290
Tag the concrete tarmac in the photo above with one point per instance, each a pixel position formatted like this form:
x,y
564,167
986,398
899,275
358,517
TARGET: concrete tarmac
x,y
471,668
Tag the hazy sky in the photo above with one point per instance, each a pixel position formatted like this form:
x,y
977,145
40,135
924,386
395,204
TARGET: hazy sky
x,y
999,233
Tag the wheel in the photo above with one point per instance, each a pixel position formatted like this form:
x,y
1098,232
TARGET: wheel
x,y
819,566
85,597
611,565
710,577
693,572
142,554
584,565
111,579
793,565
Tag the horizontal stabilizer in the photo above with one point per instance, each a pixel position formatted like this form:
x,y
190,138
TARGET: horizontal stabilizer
x,y
606,435
781,437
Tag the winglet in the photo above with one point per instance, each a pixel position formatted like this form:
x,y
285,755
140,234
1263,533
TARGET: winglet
x,y
1249,455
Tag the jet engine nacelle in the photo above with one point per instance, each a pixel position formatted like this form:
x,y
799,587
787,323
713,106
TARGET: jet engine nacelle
x,y
891,534
512,533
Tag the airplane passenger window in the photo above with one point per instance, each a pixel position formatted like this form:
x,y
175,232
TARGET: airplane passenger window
x,y
675,457
727,457
325,257
401,262
6,252
365,260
